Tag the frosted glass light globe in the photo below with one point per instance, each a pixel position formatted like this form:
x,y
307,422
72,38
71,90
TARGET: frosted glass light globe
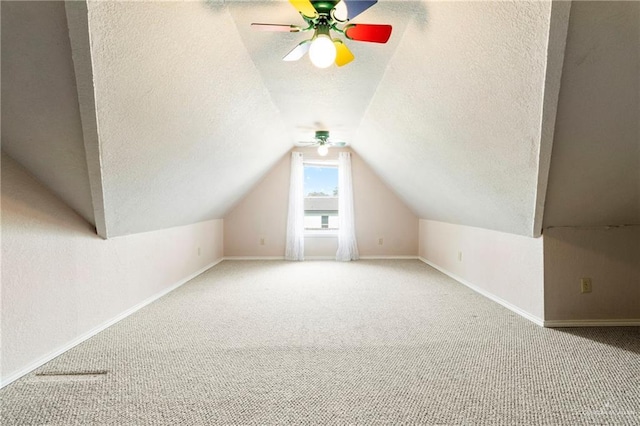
x,y
323,150
322,51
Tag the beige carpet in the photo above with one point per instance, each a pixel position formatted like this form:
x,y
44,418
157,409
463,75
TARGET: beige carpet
x,y
325,342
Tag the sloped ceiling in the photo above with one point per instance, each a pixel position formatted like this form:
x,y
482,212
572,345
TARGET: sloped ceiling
x,y
192,107
309,98
185,124
41,125
455,125
595,169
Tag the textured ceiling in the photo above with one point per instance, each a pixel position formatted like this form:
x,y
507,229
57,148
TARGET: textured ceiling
x,y
192,108
455,125
595,169
185,124
40,119
309,98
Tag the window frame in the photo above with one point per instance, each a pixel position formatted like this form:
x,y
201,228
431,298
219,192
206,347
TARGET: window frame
x,y
321,233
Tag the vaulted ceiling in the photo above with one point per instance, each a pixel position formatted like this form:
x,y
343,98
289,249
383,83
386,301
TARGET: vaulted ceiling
x,y
157,114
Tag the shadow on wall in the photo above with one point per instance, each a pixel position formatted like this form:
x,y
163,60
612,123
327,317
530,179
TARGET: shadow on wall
x,y
616,244
40,207
418,11
216,6
610,257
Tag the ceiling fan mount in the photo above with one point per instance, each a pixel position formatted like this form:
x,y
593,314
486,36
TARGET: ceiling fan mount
x,y
322,136
323,17
323,141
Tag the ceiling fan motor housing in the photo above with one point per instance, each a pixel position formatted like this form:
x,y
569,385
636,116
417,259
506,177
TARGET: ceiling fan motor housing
x,y
322,136
324,6
322,17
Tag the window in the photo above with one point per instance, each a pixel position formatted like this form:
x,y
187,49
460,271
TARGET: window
x,y
320,197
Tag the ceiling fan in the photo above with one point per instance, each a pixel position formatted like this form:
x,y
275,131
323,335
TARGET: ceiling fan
x,y
323,141
324,16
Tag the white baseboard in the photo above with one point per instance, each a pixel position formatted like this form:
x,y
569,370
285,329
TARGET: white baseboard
x,y
488,295
316,257
253,258
48,357
383,257
593,323
376,257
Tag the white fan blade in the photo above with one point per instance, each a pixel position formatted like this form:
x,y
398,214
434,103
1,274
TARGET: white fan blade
x,y
298,52
276,28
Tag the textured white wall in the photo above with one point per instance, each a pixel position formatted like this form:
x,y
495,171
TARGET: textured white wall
x,y
455,124
506,266
262,213
379,213
193,108
594,179
81,54
60,280
610,257
186,126
556,46
595,166
40,117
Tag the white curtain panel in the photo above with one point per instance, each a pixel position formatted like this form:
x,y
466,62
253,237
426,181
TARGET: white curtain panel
x,y
295,220
347,244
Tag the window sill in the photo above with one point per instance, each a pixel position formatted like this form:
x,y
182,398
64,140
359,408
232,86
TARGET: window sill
x,y
321,234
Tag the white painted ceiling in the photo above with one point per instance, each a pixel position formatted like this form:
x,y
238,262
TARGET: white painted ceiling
x,y
309,98
455,125
41,125
595,169
192,107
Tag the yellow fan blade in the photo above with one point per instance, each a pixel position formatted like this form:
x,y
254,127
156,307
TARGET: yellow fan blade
x,y
305,7
343,54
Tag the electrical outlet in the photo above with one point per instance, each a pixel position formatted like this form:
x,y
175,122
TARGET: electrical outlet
x,y
459,256
262,241
585,285
380,241
198,251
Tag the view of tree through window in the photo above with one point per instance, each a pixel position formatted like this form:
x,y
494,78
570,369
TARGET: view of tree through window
x,y
320,197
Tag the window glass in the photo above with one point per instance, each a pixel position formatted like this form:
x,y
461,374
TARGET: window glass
x,y
320,197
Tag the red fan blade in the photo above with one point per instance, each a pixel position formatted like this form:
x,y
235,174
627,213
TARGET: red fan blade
x,y
276,27
368,32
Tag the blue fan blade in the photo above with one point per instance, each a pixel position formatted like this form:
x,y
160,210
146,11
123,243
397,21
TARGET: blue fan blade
x,y
356,7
